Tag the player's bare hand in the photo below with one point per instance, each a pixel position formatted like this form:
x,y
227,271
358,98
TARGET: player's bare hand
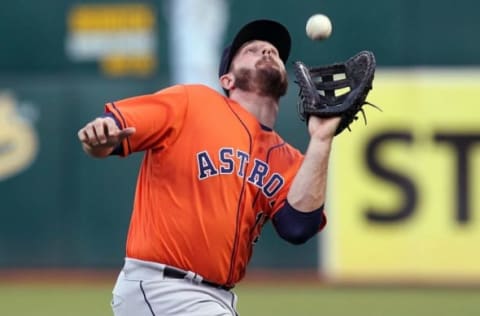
x,y
323,128
103,132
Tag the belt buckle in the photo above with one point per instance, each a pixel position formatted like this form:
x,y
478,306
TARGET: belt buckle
x,y
193,277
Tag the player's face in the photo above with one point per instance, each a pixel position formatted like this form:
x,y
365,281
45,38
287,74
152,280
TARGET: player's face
x,y
257,67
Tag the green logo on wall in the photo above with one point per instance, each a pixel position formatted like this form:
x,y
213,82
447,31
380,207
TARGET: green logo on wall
x,y
18,140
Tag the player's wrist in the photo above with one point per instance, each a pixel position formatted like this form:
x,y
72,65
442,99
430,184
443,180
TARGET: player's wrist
x,y
99,151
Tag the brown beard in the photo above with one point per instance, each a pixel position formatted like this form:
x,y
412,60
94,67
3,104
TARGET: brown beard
x,y
266,81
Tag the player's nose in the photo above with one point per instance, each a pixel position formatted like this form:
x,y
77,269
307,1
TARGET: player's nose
x,y
267,51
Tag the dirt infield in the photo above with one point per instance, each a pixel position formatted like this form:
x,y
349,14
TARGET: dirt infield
x,y
254,277
57,275
62,275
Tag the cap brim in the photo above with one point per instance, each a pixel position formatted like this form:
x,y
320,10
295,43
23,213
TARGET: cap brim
x,y
264,30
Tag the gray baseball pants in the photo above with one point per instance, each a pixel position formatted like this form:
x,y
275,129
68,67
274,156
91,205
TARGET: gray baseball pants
x,y
143,290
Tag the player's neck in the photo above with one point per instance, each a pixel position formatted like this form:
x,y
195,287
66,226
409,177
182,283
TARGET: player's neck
x,y
265,109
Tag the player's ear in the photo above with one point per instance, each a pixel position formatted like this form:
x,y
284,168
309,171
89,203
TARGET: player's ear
x,y
227,81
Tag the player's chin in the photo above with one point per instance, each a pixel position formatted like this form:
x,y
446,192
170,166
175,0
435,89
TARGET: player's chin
x,y
273,81
273,73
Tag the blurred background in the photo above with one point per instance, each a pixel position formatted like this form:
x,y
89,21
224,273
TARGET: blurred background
x,y
403,201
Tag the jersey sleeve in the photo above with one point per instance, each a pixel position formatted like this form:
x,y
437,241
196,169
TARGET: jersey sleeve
x,y
158,118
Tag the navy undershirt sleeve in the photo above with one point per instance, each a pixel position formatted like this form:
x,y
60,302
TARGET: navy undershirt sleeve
x,y
119,149
297,227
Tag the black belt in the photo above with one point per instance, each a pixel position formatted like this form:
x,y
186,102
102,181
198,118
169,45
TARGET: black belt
x,y
174,273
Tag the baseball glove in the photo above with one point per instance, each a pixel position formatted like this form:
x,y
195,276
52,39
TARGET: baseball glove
x,y
338,89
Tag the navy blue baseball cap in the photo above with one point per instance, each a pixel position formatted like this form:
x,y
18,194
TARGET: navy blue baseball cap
x,y
264,30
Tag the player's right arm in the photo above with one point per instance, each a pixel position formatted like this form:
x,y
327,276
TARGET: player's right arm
x,y
100,137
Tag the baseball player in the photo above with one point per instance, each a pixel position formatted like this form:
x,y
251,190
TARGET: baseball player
x,y
214,171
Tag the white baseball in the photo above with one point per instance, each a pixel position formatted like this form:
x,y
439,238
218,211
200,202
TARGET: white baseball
x,y
319,27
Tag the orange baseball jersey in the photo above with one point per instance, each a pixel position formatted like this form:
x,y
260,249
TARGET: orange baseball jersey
x,y
210,178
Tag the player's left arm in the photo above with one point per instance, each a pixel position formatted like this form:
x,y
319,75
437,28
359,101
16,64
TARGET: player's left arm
x,y
308,189
298,227
301,215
